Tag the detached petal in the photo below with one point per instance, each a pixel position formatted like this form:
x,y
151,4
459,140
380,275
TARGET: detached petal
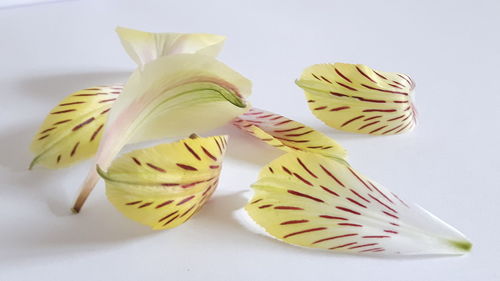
x,y
286,134
144,47
72,130
312,201
163,186
357,98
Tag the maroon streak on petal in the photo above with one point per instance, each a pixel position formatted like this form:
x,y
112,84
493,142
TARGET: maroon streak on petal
x,y
83,123
71,103
210,155
186,167
379,110
145,205
265,206
383,90
382,203
352,120
152,166
192,151
94,135
73,151
364,74
287,208
164,204
348,210
330,174
185,200
305,168
302,179
289,130
349,224
133,203
334,237
62,122
380,75
364,245
342,246
339,108
296,193
359,178
329,190
136,161
168,216
304,231
371,118
332,217
342,75
347,87
356,202
63,111
293,222
322,77
368,125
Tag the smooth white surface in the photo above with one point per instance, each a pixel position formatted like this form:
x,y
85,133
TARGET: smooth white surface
x,y
449,164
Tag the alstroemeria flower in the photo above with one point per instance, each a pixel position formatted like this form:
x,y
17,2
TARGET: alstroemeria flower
x,y
163,186
173,96
357,98
286,134
309,200
73,129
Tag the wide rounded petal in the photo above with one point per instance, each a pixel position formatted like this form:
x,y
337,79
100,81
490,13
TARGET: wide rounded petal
x,y
359,99
163,186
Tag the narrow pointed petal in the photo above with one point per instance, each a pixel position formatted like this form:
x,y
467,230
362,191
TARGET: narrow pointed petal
x,y
359,99
312,201
286,134
144,47
172,97
72,130
165,185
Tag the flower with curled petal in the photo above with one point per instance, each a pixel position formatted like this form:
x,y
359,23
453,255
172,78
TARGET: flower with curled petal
x,y
173,96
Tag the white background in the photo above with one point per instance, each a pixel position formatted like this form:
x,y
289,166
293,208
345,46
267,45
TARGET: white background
x,y
449,164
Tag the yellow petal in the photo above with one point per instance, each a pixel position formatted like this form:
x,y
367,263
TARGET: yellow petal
x,y
357,98
163,186
144,47
286,134
72,130
313,201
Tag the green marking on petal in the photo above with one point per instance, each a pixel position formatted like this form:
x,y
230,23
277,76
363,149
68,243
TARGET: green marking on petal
x,y
466,246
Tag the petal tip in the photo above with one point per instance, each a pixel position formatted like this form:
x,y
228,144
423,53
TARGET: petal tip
x,y
463,246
